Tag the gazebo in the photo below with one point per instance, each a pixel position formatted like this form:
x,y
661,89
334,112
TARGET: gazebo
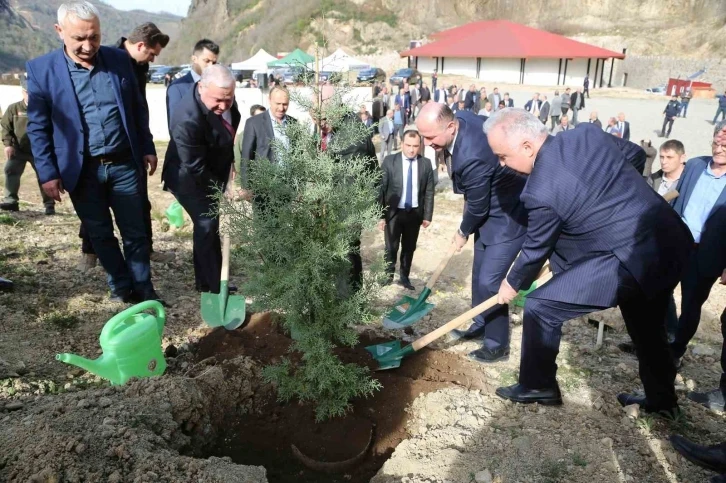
x,y
295,58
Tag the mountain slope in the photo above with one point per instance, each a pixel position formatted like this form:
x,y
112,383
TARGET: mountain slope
x,y
26,28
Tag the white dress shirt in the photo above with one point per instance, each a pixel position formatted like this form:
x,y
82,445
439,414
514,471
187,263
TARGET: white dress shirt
x,y
414,182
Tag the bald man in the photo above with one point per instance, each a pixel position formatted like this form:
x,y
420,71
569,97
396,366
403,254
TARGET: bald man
x,y
199,159
492,213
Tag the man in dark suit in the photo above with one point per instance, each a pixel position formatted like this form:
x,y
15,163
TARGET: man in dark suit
x,y
508,101
702,205
260,131
470,98
205,53
89,130
610,239
403,99
623,127
492,212
198,162
407,200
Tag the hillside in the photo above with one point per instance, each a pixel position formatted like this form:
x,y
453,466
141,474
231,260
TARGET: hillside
x,y
373,27
26,28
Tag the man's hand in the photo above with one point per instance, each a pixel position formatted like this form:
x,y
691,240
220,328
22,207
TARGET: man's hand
x,y
426,223
506,293
9,152
381,225
54,188
459,241
151,161
723,278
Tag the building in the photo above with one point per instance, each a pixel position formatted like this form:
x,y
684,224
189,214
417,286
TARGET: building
x,y
503,51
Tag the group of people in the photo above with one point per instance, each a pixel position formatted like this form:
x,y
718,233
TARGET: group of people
x,y
614,233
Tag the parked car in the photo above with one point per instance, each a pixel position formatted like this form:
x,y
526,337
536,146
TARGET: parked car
x,y
656,90
157,77
374,74
404,75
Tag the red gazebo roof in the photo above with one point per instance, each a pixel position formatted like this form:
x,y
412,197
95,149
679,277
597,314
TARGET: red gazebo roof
x,y
505,39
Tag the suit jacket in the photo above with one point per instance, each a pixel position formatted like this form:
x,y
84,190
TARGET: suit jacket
x,y
573,101
469,100
528,105
257,142
494,102
201,150
544,111
425,94
597,123
391,187
509,102
491,191
383,128
591,218
54,116
175,92
711,248
625,132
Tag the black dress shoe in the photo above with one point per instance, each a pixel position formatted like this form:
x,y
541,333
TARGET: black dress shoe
x,y
488,356
406,283
9,206
627,399
6,285
125,297
473,332
49,210
627,347
713,400
520,394
710,457
137,298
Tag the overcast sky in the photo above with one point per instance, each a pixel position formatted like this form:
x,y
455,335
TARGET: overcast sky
x,y
178,7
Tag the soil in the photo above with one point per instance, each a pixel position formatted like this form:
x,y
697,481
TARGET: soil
x,y
265,438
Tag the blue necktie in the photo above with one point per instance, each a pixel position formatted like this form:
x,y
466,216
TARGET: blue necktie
x,y
409,186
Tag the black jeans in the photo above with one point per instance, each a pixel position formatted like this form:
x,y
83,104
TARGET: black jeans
x,y
668,121
401,231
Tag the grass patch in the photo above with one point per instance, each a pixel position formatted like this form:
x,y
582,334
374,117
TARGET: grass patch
x,y
553,471
508,377
645,423
579,460
6,219
60,319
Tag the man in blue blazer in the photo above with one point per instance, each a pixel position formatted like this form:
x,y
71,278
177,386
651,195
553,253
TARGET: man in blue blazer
x,y
205,54
611,240
702,205
492,213
89,131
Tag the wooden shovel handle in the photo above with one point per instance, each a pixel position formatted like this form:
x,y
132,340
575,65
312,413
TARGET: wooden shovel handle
x,y
225,237
671,195
442,265
545,275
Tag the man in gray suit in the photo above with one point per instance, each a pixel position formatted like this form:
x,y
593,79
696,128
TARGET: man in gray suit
x,y
555,110
494,98
260,131
407,199
386,128
544,110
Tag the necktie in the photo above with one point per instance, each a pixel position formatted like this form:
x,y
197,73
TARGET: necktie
x,y
227,125
409,187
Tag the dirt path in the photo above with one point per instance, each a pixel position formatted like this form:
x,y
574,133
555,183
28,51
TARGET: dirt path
x,y
455,433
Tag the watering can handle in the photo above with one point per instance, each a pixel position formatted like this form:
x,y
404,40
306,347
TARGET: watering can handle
x,y
545,275
442,265
130,312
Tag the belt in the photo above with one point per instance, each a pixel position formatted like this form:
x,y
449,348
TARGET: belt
x,y
113,158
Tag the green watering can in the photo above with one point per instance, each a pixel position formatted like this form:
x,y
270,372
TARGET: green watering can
x,y
131,343
175,214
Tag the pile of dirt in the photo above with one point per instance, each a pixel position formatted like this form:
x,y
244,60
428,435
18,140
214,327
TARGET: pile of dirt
x,y
266,437
134,433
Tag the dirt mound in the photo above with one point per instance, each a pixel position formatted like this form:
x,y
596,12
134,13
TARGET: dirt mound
x,y
133,433
265,438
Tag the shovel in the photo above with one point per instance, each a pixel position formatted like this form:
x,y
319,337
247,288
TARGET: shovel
x,y
222,309
389,354
409,310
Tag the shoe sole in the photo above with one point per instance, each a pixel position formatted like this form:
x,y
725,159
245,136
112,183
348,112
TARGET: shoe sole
x,y
488,361
542,401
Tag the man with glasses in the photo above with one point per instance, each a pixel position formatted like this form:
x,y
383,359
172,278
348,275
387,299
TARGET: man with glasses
x,y
702,205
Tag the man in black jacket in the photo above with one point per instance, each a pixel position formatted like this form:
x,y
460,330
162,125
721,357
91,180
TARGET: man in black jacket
x,y
670,112
198,162
407,198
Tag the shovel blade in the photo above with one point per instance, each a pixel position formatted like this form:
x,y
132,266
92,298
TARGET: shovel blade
x,y
408,310
389,354
221,310
235,313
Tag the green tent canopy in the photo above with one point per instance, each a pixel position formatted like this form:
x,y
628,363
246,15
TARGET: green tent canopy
x,y
294,58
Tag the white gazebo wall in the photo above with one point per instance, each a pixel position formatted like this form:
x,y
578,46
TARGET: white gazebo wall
x,y
459,66
426,65
541,72
500,70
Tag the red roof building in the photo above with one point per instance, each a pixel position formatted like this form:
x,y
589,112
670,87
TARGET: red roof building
x,y
503,51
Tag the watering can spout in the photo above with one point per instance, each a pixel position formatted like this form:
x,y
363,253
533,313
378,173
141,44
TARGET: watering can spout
x,y
104,368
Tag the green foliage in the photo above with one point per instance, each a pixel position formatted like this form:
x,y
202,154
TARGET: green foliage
x,y
553,471
295,238
579,460
60,319
6,219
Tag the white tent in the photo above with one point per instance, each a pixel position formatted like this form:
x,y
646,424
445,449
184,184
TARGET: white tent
x,y
256,62
339,61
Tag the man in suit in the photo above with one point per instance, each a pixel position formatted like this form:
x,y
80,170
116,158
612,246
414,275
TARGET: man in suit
x,y
623,126
494,98
492,213
544,110
555,110
594,119
414,98
205,53
89,130
566,101
672,162
670,112
577,103
440,95
459,106
407,200
143,45
586,86
386,128
533,105
403,99
702,205
563,126
508,102
610,240
259,133
254,110
425,94
198,162
470,98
